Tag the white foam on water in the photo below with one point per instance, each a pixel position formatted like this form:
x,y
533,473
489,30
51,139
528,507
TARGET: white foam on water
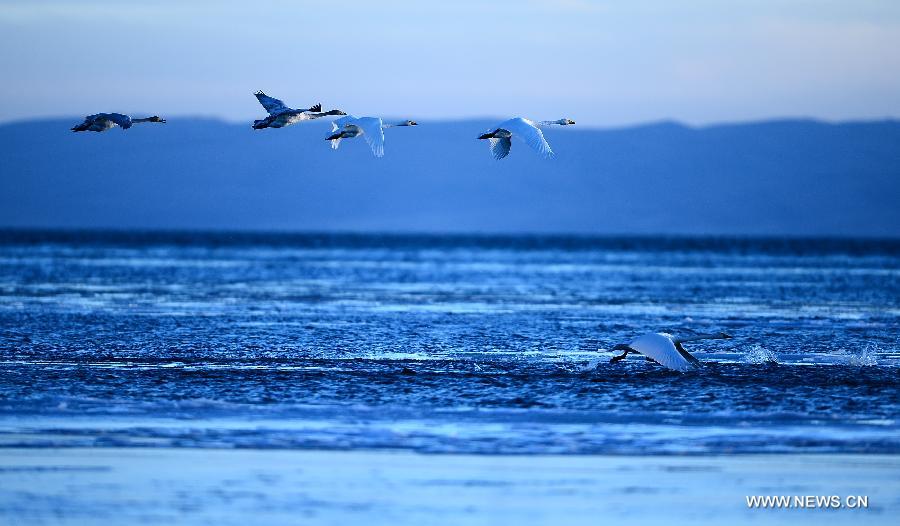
x,y
591,365
759,354
867,357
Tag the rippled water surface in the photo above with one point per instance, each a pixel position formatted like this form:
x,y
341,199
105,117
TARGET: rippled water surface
x,y
446,344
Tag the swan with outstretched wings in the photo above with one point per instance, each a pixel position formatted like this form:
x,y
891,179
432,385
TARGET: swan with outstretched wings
x,y
369,128
280,115
665,349
100,122
500,138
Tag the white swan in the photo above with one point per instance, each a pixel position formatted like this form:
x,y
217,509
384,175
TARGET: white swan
x,y
100,122
665,349
281,116
525,129
371,129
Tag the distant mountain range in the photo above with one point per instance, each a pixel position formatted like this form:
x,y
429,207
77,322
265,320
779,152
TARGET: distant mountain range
x,y
789,177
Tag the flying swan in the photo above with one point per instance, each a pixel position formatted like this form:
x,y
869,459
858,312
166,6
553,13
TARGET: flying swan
x,y
525,129
281,116
665,349
371,129
100,122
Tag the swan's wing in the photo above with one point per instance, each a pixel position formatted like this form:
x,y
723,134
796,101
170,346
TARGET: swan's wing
x,y
373,133
500,147
85,125
122,120
528,132
335,142
662,350
271,104
336,125
684,354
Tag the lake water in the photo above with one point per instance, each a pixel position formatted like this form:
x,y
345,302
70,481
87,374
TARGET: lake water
x,y
484,345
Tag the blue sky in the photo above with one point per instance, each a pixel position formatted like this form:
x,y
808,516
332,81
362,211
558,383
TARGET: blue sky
x,y
601,63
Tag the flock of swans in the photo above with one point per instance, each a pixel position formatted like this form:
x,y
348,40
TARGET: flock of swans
x,y
662,348
348,127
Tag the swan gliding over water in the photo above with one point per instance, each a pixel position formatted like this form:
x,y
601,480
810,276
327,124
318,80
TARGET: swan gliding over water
x,y
525,129
665,349
281,116
371,129
100,122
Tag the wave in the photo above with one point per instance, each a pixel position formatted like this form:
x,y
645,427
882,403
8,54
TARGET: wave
x,y
866,357
759,355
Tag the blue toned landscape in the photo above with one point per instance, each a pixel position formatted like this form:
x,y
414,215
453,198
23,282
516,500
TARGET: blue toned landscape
x,y
210,375
772,178
393,263
446,344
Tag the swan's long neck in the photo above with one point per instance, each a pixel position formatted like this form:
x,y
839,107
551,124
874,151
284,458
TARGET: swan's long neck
x,y
136,121
558,122
712,336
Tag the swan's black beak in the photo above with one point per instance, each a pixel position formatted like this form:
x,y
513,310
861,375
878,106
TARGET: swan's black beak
x,y
725,336
485,135
333,137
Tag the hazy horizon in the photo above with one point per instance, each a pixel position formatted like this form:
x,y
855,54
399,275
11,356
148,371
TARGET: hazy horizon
x,y
798,178
489,118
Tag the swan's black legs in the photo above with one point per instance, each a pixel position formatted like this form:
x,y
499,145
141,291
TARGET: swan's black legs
x,y
622,356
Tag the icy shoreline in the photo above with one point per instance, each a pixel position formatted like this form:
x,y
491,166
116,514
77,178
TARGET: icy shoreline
x,y
125,486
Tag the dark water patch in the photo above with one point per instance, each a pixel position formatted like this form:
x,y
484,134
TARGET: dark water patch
x,y
734,245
